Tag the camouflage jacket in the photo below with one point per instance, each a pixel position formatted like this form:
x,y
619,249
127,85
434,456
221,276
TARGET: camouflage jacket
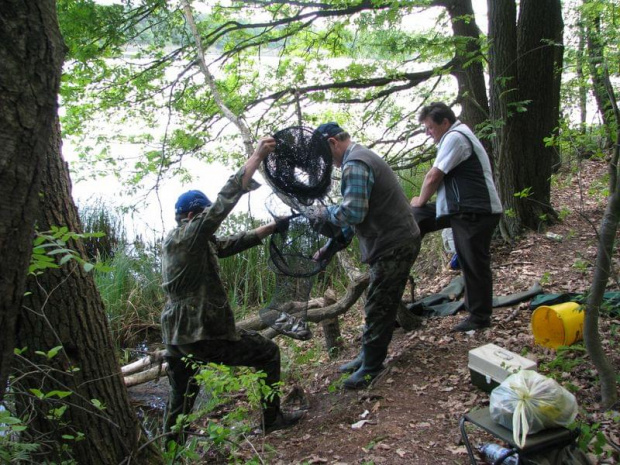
x,y
197,307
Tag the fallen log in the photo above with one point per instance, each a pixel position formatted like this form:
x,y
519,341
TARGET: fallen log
x,y
315,315
145,362
148,375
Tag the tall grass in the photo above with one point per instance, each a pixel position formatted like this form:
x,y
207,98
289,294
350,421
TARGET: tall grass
x,y
131,289
132,295
246,276
98,217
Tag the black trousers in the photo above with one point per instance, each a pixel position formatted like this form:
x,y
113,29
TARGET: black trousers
x,y
251,350
472,239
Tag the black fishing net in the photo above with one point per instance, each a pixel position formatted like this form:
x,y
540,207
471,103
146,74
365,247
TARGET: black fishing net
x,y
291,257
299,171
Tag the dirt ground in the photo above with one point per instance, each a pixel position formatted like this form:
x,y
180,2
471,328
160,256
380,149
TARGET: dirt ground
x,y
413,409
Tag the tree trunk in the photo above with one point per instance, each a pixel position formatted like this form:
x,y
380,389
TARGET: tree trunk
x,y
592,338
598,73
65,309
524,62
469,71
583,90
540,50
502,77
602,267
331,328
31,56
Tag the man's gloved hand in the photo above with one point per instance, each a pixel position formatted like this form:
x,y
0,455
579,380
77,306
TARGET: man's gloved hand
x,y
314,212
282,223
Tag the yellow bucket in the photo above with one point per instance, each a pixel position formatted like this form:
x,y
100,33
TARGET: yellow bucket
x,y
558,325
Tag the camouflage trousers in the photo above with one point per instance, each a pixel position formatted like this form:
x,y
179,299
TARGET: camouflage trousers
x,y
388,277
251,350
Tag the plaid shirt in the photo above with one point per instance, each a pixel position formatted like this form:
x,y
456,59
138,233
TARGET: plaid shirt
x,y
356,186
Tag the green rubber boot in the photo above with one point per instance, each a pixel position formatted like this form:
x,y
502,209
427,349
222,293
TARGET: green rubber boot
x,y
371,367
353,365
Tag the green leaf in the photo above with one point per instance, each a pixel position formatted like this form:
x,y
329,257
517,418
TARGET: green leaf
x,y
61,250
38,394
17,351
54,351
59,394
97,403
7,419
65,259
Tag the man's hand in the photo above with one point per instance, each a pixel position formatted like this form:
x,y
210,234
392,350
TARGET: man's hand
x,y
265,146
417,202
314,212
431,183
318,255
282,223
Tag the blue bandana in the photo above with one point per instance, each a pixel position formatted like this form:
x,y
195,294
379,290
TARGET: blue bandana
x,y
191,201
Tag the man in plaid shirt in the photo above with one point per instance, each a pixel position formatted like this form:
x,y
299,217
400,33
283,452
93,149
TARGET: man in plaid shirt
x,y
375,208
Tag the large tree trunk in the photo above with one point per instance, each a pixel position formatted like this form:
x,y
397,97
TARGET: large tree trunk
x,y
502,76
524,62
468,70
31,56
65,309
540,50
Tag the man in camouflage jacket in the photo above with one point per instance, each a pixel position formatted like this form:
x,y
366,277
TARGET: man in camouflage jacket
x,y
197,320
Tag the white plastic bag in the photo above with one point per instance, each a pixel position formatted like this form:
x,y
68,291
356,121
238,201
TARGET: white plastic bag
x,y
528,402
448,240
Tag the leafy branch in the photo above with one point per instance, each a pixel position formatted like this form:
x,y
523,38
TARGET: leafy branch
x,y
48,246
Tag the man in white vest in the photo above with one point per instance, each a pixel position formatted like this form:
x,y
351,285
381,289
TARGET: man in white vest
x,y
467,202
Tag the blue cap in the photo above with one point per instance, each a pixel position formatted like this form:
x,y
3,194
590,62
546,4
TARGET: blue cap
x,y
330,129
191,201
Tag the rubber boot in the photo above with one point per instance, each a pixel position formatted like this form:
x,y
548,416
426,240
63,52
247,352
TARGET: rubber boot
x,y
183,392
370,369
353,365
284,420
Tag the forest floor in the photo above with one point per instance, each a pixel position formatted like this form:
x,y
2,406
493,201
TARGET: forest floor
x,y
413,409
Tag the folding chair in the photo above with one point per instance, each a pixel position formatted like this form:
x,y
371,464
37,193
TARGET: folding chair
x,y
543,441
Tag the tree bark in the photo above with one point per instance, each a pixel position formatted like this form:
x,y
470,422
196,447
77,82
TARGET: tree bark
x,y
592,338
602,268
502,16
599,74
468,69
64,309
540,51
31,56
524,62
331,329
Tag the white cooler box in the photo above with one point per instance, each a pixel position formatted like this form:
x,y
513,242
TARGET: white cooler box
x,y
489,365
